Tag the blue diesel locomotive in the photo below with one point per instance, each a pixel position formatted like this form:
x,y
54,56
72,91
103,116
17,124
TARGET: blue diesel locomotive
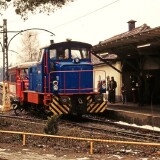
x,y
62,81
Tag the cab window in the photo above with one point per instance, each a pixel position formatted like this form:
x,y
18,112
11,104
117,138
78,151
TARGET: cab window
x,y
60,53
40,55
81,53
12,77
66,53
53,54
63,53
85,53
75,53
24,73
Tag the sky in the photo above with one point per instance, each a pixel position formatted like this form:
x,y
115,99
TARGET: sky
x,y
88,21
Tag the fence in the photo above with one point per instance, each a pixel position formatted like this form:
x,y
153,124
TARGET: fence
x,y
91,141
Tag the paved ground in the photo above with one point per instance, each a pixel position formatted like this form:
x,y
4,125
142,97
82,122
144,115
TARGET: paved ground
x,y
27,154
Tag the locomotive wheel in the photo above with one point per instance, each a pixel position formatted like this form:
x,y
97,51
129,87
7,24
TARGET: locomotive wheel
x,y
37,110
17,109
14,105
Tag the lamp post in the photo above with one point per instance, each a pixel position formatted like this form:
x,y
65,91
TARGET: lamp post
x,y
28,30
6,46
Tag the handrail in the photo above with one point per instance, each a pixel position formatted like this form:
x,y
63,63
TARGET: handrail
x,y
79,72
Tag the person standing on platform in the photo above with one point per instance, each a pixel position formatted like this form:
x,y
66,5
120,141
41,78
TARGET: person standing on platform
x,y
140,86
151,86
108,89
134,88
113,86
123,93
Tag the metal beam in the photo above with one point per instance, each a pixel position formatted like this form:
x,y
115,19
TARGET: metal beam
x,y
108,63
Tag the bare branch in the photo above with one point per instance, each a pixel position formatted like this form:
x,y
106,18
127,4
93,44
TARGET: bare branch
x,y
30,46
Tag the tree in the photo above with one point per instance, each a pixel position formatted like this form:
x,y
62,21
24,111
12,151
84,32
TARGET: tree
x,y
23,7
30,46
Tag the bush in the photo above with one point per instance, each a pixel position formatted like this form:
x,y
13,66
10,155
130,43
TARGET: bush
x,y
52,125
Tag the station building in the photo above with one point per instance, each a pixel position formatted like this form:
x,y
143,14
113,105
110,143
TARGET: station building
x,y
134,53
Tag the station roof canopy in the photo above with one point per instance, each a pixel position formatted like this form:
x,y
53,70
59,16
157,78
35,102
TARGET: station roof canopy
x,y
141,40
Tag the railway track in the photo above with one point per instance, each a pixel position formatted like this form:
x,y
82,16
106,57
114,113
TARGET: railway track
x,y
6,119
116,131
93,125
90,127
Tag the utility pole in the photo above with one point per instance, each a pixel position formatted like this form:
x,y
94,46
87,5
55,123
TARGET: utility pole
x,y
6,96
5,51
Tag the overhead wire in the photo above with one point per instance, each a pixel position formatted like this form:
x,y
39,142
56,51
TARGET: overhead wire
x,y
84,15
87,14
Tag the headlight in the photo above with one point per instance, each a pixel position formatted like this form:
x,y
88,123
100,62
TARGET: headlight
x,y
76,60
55,88
55,85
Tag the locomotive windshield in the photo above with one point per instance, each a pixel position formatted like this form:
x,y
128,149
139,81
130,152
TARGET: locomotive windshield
x,y
81,53
53,54
65,53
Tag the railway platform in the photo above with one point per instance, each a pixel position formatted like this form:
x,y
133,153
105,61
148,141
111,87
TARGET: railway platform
x,y
134,114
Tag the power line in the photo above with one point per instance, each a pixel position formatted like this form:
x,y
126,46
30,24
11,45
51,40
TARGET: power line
x,y
107,5
85,15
